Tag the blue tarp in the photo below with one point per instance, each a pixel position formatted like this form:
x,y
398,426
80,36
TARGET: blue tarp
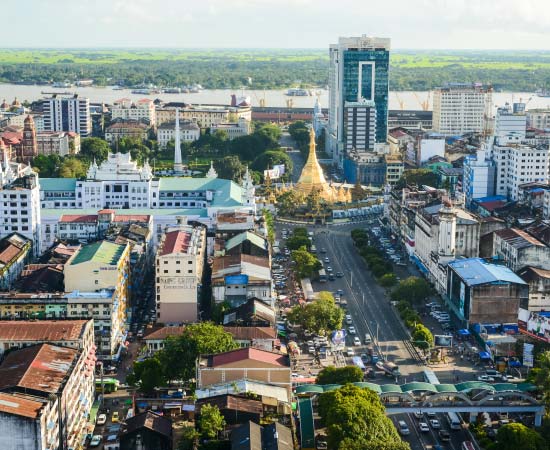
x,y
464,332
236,279
484,355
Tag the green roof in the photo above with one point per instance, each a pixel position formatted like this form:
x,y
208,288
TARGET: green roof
x,y
101,252
226,192
387,388
445,387
258,241
58,184
472,385
418,386
371,386
309,389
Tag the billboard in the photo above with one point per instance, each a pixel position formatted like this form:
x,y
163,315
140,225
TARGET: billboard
x,y
441,340
528,354
277,172
534,325
236,279
338,338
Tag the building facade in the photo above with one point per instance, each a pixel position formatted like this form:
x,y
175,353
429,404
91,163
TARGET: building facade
x,y
460,108
479,177
126,109
180,261
519,249
15,253
131,128
189,132
62,113
241,128
359,125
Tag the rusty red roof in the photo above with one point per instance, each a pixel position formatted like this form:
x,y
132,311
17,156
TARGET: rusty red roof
x,y
175,242
244,354
132,218
78,218
44,330
20,405
164,332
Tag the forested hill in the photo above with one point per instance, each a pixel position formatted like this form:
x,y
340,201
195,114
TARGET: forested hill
x,y
269,68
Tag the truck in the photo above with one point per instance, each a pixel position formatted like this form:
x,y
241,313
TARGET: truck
x,y
388,368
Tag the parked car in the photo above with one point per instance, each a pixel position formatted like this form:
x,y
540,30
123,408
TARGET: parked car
x,y
349,351
485,378
101,419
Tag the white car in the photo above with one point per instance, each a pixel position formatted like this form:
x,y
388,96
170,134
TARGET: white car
x,y
423,427
435,424
96,440
418,414
351,330
101,419
486,378
356,341
349,352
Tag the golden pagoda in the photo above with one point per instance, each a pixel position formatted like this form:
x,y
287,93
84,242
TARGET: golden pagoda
x,y
312,177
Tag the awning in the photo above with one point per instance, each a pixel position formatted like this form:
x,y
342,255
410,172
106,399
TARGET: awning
x,y
188,408
484,355
464,332
172,406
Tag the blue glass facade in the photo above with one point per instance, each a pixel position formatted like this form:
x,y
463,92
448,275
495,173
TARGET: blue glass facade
x,y
365,75
369,173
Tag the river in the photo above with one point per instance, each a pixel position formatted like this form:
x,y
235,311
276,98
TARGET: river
x,y
397,100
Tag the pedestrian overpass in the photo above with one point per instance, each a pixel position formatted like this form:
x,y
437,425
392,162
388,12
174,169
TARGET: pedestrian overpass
x,y
471,397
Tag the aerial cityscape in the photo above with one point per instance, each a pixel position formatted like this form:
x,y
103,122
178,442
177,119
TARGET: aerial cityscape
x,y
321,239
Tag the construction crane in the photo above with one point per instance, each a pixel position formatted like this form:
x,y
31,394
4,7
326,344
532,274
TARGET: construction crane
x,y
401,102
425,105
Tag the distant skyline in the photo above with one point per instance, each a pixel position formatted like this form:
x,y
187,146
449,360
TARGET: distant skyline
x,y
411,24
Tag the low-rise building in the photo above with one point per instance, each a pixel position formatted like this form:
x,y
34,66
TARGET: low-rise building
x,y
206,116
245,363
15,253
76,334
189,132
480,292
252,313
539,288
250,436
46,397
131,128
264,338
155,339
60,143
233,130
147,431
394,169
519,249
179,268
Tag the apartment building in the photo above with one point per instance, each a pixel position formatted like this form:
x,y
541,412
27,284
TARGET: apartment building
x,y
179,267
479,177
539,288
130,128
205,116
538,118
46,396
233,130
189,132
519,249
460,108
126,109
67,113
15,252
60,143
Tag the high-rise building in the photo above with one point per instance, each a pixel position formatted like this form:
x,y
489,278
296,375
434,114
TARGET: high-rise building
x,y
479,177
62,113
510,124
460,108
359,125
358,71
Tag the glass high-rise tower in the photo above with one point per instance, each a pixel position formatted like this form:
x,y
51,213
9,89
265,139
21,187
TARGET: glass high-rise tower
x,y
359,69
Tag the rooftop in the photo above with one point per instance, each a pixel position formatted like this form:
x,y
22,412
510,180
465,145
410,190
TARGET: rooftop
x,y
78,218
150,420
175,242
162,333
46,330
20,405
101,252
11,247
226,192
41,367
244,354
251,333
58,184
518,239
476,271
254,238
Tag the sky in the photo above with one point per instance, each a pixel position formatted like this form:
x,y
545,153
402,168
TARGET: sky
x,y
411,24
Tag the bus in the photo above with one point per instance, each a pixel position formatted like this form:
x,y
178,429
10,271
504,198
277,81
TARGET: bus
x,y
322,276
430,377
454,421
111,385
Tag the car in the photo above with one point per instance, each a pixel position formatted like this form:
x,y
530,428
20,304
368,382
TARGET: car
x,y
321,445
101,419
351,330
348,319
364,357
339,274
444,435
368,339
326,259
418,414
435,424
323,250
96,440
114,417
423,427
403,428
356,341
485,379
331,277
329,269
349,351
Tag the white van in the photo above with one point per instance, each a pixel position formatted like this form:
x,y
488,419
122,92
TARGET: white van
x,y
403,428
368,339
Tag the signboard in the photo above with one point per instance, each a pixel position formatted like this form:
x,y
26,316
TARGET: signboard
x,y
338,337
280,168
462,298
236,279
534,325
441,340
528,355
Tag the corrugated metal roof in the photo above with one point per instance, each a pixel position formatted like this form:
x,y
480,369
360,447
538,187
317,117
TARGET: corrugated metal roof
x,y
258,241
475,271
47,330
102,252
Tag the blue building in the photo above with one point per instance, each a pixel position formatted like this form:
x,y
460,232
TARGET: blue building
x,y
479,178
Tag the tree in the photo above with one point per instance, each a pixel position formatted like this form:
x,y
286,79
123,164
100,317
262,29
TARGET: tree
x,y
541,377
270,158
148,375
287,203
352,414
515,436
188,440
300,133
321,316
388,280
305,262
94,148
72,168
230,168
294,242
180,353
211,421
413,289
47,165
340,375
422,337
418,177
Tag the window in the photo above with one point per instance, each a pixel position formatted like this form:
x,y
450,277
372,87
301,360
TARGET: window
x,y
96,282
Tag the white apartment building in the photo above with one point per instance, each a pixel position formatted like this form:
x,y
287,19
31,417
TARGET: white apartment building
x,y
67,114
125,108
47,394
517,165
510,126
539,118
359,125
461,108
179,266
189,132
205,116
478,178
20,202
